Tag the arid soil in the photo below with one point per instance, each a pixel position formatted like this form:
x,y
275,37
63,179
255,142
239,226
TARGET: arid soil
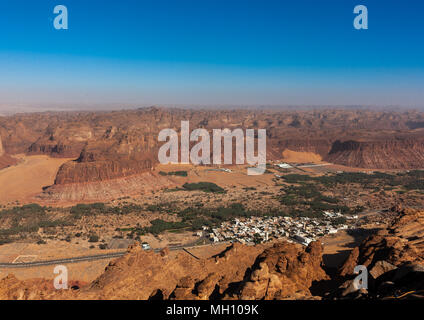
x,y
282,271
356,161
262,194
299,156
23,181
394,258
115,145
144,275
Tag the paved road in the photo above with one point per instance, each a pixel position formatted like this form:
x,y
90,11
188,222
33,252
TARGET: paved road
x,y
62,261
84,258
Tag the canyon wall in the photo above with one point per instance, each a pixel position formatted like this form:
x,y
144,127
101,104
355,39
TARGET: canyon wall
x,y
395,153
121,144
285,271
394,257
5,160
1,148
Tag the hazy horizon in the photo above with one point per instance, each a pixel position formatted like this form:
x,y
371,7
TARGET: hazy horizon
x,y
11,110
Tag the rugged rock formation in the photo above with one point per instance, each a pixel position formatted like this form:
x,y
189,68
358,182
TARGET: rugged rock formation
x,y
285,271
82,172
106,189
1,148
141,274
347,137
402,242
5,160
34,289
379,154
113,145
394,259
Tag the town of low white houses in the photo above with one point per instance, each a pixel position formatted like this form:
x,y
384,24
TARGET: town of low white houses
x,y
260,229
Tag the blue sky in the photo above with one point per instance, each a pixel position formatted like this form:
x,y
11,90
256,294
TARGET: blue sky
x,y
207,52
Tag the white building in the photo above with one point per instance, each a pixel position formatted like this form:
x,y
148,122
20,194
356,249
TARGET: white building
x,y
284,165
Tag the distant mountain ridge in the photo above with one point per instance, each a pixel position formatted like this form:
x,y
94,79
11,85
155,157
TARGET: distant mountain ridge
x,y
119,144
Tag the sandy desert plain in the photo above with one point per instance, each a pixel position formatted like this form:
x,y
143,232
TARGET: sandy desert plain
x,y
91,190
20,184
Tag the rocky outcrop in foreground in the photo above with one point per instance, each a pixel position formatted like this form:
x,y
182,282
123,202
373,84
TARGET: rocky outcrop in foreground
x,y
285,271
377,153
394,258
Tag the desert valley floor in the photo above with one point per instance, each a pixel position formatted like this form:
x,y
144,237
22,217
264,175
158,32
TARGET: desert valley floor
x,y
88,187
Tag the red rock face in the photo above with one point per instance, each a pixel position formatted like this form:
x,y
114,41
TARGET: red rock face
x,y
109,145
285,271
82,172
5,160
56,149
395,153
402,242
107,189
394,259
1,148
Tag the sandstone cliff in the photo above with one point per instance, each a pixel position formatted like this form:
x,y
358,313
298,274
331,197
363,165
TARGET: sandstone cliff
x,y
67,134
285,271
394,259
5,160
396,153
121,144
